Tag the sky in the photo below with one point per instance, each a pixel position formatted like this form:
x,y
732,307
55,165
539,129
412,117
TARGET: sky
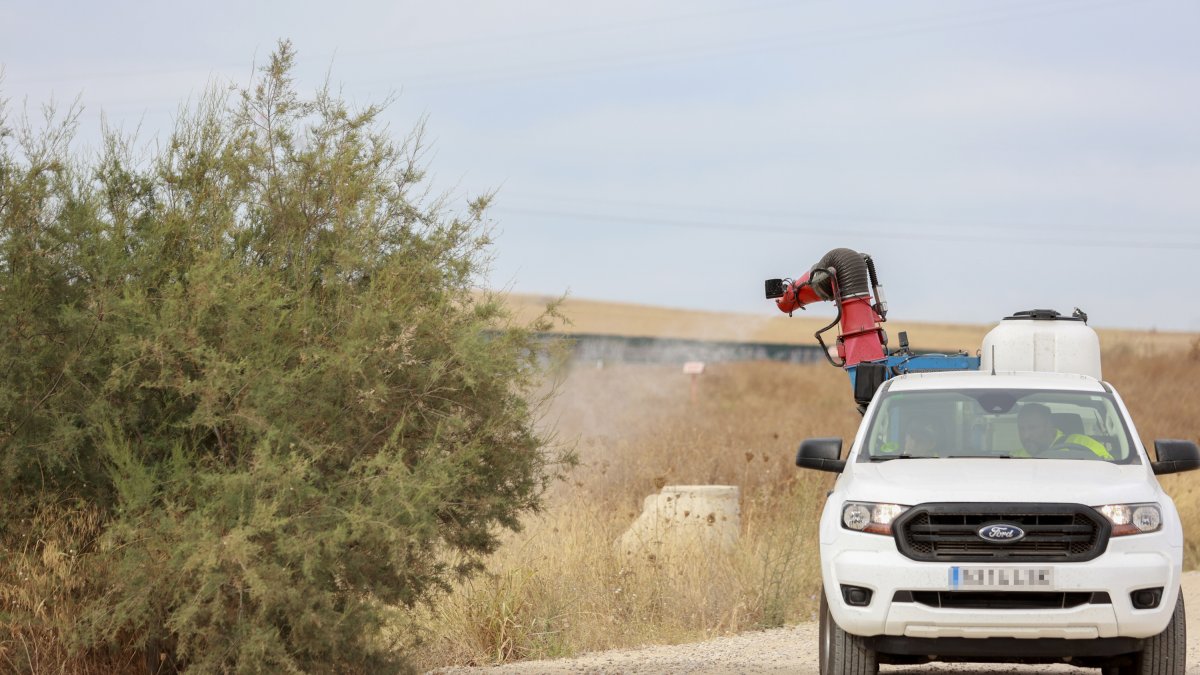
x,y
990,156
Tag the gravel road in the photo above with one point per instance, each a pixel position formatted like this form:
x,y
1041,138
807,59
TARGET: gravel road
x,y
786,650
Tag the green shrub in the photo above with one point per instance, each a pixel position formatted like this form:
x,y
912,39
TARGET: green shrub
x,y
258,359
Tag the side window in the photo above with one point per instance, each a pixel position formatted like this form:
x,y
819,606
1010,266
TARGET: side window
x,y
877,443
1102,426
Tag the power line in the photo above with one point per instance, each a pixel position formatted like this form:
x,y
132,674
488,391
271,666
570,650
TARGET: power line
x,y
842,217
893,233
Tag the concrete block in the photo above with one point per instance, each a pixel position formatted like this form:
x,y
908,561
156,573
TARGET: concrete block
x,y
683,517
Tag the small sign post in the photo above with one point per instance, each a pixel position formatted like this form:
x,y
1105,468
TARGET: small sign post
x,y
693,368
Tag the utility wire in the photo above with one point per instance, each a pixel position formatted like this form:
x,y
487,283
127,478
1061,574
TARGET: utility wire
x,y
827,217
897,232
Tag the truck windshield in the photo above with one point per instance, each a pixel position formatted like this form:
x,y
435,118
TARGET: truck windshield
x,y
1011,423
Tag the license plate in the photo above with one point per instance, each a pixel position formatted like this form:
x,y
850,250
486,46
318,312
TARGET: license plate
x,y
1010,578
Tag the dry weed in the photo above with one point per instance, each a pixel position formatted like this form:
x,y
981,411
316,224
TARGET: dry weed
x,y
562,586
41,588
1162,393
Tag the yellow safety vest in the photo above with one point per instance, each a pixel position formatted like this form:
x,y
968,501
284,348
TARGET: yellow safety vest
x,y
1061,439
1083,441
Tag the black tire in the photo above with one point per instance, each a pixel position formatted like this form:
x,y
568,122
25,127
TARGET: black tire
x,y
842,653
1163,654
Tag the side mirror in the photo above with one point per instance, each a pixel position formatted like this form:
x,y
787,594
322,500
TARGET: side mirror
x,y
821,454
1175,456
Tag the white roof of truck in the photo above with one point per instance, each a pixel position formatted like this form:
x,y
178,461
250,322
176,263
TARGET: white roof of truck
x,y
978,379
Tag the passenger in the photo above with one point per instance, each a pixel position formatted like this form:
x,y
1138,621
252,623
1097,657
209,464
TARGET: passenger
x,y
920,440
1040,437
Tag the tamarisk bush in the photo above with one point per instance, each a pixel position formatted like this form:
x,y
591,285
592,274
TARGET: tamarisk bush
x,y
254,364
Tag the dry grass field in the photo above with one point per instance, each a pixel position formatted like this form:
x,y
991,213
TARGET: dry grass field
x,y
560,587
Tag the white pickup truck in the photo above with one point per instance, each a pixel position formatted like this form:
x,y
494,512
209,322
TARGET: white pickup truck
x,y
1008,514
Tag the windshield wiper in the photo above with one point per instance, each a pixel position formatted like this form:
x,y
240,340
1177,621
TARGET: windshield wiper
x,y
885,458
979,456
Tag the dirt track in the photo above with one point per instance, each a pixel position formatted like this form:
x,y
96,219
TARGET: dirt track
x,y
788,650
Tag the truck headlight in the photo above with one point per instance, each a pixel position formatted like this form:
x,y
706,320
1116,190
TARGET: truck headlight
x,y
1132,518
870,517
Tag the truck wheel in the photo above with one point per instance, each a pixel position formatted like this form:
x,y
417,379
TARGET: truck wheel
x,y
1163,654
841,652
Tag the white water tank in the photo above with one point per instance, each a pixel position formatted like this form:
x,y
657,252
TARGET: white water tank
x,y
1042,340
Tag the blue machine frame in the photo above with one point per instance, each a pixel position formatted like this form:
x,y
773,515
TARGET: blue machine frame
x,y
900,364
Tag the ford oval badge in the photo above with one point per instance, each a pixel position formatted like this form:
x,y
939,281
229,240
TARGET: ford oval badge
x,y
1001,533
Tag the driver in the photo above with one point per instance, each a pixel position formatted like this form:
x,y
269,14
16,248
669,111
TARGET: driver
x,y
1039,435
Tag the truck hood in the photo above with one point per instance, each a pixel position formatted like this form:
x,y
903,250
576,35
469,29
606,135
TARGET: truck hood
x,y
918,481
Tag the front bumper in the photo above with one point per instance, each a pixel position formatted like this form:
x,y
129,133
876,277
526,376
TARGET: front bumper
x,y
1129,564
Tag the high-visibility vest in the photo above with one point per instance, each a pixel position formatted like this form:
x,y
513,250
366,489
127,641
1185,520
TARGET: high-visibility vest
x,y
1061,439
1097,448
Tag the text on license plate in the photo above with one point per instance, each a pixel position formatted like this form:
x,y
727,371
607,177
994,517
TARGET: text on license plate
x,y
1001,577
